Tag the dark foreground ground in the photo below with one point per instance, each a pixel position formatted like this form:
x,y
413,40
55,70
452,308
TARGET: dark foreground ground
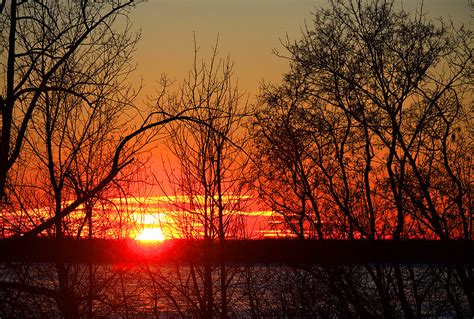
x,y
41,278
271,251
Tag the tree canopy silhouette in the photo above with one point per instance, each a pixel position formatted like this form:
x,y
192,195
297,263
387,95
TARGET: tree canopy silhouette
x,y
371,130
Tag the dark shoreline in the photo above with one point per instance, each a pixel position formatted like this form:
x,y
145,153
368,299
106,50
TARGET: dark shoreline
x,y
267,251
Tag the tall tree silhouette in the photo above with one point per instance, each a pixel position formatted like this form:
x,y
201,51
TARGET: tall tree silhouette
x,y
65,95
208,180
373,121
369,135
39,41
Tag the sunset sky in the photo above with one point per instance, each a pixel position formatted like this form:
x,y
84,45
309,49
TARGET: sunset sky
x,y
171,158
248,31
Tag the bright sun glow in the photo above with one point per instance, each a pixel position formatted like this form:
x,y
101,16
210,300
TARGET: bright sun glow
x,y
151,234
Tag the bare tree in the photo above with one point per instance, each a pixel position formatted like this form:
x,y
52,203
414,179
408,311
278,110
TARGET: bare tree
x,y
68,138
374,95
369,134
39,41
208,181
71,103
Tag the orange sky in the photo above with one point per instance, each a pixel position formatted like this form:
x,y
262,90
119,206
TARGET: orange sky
x,y
248,31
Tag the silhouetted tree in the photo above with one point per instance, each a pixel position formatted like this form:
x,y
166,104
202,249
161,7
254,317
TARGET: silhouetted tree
x,y
63,110
70,132
207,182
369,135
373,121
39,40
66,84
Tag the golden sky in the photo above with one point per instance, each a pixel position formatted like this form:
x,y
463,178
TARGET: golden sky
x,y
248,31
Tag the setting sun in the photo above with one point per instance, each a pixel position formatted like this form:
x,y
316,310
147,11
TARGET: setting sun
x,y
150,234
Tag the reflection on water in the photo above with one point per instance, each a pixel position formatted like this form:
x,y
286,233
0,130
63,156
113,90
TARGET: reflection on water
x,y
44,290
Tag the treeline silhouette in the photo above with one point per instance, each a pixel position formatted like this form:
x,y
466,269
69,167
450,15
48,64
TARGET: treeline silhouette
x,y
238,252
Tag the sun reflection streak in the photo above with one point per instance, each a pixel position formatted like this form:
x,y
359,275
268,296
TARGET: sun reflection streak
x,y
156,218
